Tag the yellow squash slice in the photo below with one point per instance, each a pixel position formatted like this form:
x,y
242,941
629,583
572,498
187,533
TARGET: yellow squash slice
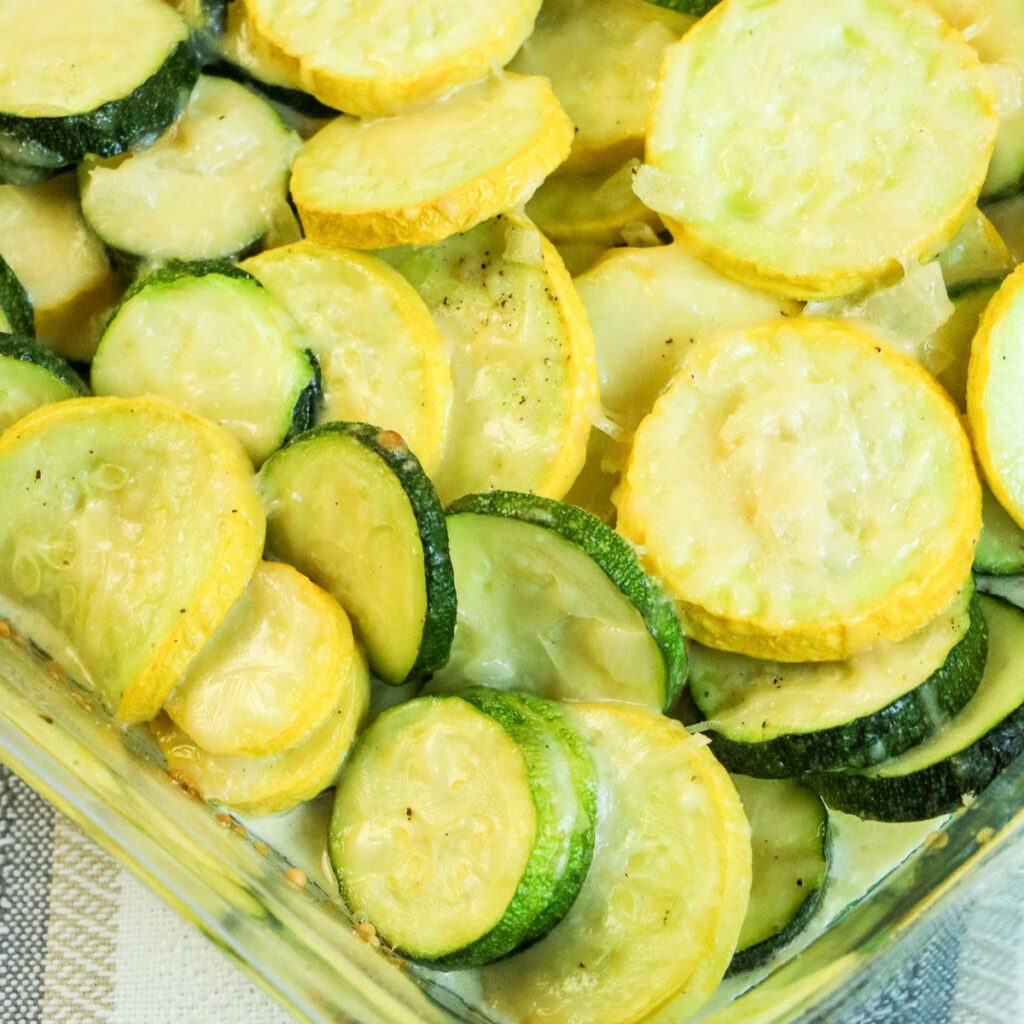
x,y
804,491
522,356
382,357
271,675
812,148
422,176
374,58
130,528
657,920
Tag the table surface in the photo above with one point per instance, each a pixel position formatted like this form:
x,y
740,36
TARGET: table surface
x,y
83,942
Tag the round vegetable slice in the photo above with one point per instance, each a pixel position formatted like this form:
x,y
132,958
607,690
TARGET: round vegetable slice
x,y
32,376
420,177
768,124
656,922
348,505
382,358
1000,550
274,671
950,345
804,492
212,338
976,256
15,308
554,602
375,58
63,95
130,529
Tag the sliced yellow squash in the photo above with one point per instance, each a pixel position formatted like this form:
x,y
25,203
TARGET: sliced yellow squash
x,y
374,58
130,528
804,491
951,343
522,356
420,177
242,46
812,148
382,357
273,672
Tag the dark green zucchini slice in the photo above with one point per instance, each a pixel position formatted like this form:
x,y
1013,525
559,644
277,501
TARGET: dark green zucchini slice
x,y
1006,588
695,7
349,505
32,376
1000,550
963,757
16,316
776,720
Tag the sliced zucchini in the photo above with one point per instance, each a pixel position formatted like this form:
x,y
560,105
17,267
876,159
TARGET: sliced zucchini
x,y
15,308
976,256
32,376
963,757
1007,217
273,673
61,264
775,720
348,505
89,76
13,172
279,782
602,58
654,926
378,57
1006,588
949,348
804,492
523,373
382,358
744,153
1000,550
789,836
212,338
446,833
129,530
206,20
695,7
207,188
420,177
554,602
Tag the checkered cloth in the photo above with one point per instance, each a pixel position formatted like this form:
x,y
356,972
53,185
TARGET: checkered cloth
x,y
82,942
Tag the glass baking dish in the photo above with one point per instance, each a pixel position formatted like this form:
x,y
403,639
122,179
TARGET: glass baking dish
x,y
297,942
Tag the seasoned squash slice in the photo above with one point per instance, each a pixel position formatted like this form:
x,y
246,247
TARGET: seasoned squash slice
x,y
129,530
804,491
779,140
420,177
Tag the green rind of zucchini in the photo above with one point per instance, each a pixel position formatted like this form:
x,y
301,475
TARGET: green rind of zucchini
x,y
307,405
1000,550
697,8
115,126
27,350
133,267
295,99
15,303
610,553
873,738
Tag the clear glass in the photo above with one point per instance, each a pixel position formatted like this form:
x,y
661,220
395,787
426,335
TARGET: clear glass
x,y
299,944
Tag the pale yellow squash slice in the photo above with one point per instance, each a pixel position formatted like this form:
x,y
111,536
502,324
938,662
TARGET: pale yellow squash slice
x,y
804,491
273,672
814,148
657,920
374,58
130,528
524,376
242,46
420,177
382,357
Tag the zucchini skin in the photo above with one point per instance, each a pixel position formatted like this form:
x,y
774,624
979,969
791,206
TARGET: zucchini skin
x,y
873,738
307,405
117,125
294,99
15,303
697,8
614,557
28,350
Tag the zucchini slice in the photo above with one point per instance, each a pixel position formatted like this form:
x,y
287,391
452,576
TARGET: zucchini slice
x,y
697,8
378,57
349,505
129,530
1000,550
274,671
59,262
279,782
206,20
963,757
32,376
554,602
16,315
1006,588
745,155
382,358
208,188
949,347
776,720
789,836
1007,217
804,492
420,177
450,832
522,358
654,926
976,256
212,338
602,58
89,76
